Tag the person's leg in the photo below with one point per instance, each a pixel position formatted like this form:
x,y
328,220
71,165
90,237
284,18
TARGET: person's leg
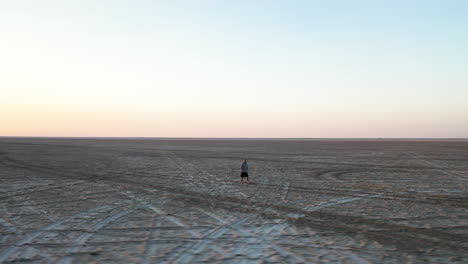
x,y
248,181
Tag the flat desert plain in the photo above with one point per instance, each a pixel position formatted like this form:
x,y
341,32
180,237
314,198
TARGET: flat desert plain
x,y
180,201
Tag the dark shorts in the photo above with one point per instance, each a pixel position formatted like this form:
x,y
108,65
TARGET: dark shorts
x,y
244,174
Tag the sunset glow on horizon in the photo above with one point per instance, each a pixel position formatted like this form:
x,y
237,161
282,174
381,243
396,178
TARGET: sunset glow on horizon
x,y
255,69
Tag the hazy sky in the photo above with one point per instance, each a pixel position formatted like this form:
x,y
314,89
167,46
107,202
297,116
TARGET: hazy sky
x,y
234,68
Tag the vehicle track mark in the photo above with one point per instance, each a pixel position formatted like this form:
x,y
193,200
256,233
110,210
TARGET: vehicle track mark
x,y
10,251
150,248
40,189
442,168
9,227
264,235
170,218
339,201
345,253
189,253
81,240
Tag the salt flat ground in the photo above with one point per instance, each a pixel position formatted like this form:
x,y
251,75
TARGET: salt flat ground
x,y
180,201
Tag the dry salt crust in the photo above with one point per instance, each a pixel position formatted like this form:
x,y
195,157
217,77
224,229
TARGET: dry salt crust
x,y
180,201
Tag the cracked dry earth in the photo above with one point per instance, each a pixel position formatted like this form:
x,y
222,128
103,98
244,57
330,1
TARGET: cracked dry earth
x,y
180,201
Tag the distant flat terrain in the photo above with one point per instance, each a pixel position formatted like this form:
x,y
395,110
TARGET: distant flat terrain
x,y
180,201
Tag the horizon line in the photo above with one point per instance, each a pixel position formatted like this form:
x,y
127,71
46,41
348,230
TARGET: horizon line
x,y
242,138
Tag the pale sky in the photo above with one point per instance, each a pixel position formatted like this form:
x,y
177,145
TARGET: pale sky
x,y
369,68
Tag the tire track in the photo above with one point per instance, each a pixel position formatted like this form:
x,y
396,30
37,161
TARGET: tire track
x,y
14,163
41,189
172,219
273,181
188,254
150,248
10,251
329,251
283,184
93,196
338,201
442,168
81,240
320,206
202,174
333,175
266,237
9,227
345,253
276,192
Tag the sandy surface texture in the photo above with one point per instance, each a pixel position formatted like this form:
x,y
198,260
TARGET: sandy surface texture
x,y
180,201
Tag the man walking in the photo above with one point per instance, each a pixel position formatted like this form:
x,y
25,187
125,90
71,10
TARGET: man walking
x,y
245,172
